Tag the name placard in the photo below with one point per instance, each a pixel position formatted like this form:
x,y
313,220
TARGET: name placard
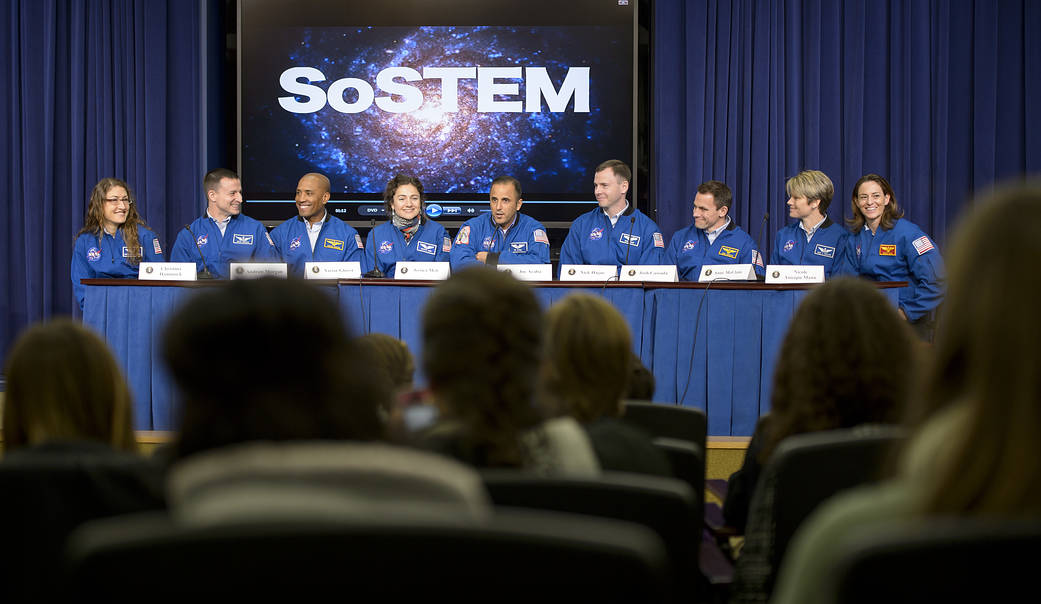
x,y
588,272
798,273
419,271
167,271
332,270
256,270
528,272
726,272
665,273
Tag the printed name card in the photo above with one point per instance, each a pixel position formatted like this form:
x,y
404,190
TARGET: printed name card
x,y
332,270
588,272
256,270
726,272
422,271
665,273
776,273
528,272
167,271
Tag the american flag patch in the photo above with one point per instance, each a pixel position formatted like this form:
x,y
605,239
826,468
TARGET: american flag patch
x,y
541,237
757,258
155,246
446,245
658,241
357,239
923,245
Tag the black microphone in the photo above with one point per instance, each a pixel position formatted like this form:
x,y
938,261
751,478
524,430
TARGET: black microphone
x,y
375,273
629,243
205,272
759,241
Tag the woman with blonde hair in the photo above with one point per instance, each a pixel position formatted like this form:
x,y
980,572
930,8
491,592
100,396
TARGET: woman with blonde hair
x,y
114,239
975,451
585,374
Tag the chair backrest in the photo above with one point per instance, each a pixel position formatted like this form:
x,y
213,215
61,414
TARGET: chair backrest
x,y
43,500
942,560
667,506
514,557
687,463
668,421
809,468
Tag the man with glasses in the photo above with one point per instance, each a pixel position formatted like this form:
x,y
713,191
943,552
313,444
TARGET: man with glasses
x,y
223,235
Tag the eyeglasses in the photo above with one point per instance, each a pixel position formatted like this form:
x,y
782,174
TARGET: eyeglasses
x,y
873,197
115,200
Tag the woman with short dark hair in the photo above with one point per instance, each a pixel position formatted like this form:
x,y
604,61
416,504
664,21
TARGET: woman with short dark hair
x,y
409,235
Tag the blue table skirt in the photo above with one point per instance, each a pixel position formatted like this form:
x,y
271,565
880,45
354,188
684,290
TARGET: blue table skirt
x,y
732,334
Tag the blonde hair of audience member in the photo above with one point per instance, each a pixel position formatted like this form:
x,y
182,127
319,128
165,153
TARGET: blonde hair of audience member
x,y
392,358
588,359
847,359
987,358
63,384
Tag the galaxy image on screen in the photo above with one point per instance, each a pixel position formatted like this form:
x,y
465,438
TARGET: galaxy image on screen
x,y
453,153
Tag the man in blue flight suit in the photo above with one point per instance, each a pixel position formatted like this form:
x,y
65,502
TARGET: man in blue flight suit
x,y
504,236
713,238
813,239
315,235
224,234
615,232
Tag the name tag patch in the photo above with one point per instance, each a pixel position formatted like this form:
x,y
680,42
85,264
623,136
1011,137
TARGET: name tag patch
x,y
729,252
887,249
333,244
824,250
426,248
627,239
240,239
519,247
126,252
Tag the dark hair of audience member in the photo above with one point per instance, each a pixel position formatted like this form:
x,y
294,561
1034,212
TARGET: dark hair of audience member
x,y
987,357
846,360
268,360
641,381
63,384
482,342
588,358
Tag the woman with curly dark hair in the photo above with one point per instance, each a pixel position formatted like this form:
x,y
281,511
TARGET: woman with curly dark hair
x,y
482,344
846,360
114,239
409,235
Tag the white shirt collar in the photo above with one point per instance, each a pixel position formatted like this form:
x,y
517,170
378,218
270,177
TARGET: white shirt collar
x,y
809,233
614,219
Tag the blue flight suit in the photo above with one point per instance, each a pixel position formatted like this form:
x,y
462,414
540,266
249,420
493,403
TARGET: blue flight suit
x,y
903,253
337,242
106,258
592,240
827,248
689,250
526,242
430,244
244,239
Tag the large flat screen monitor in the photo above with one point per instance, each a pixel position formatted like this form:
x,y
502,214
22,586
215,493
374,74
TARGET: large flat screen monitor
x,y
455,92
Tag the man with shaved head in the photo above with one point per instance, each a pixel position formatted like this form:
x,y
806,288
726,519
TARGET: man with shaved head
x,y
315,235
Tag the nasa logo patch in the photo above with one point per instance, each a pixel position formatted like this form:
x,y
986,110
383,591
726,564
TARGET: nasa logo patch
x,y
93,254
201,240
488,243
386,247
689,245
596,234
294,244
788,245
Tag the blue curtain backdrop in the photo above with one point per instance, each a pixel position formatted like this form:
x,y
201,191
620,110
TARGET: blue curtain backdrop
x,y
942,97
92,89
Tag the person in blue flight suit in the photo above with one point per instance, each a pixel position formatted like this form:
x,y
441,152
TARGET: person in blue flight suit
x,y
886,247
713,238
813,239
504,236
114,239
224,234
315,235
409,235
615,232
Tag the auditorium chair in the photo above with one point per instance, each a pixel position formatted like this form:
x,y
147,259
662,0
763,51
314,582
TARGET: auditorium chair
x,y
667,506
668,421
807,469
515,556
42,500
941,560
